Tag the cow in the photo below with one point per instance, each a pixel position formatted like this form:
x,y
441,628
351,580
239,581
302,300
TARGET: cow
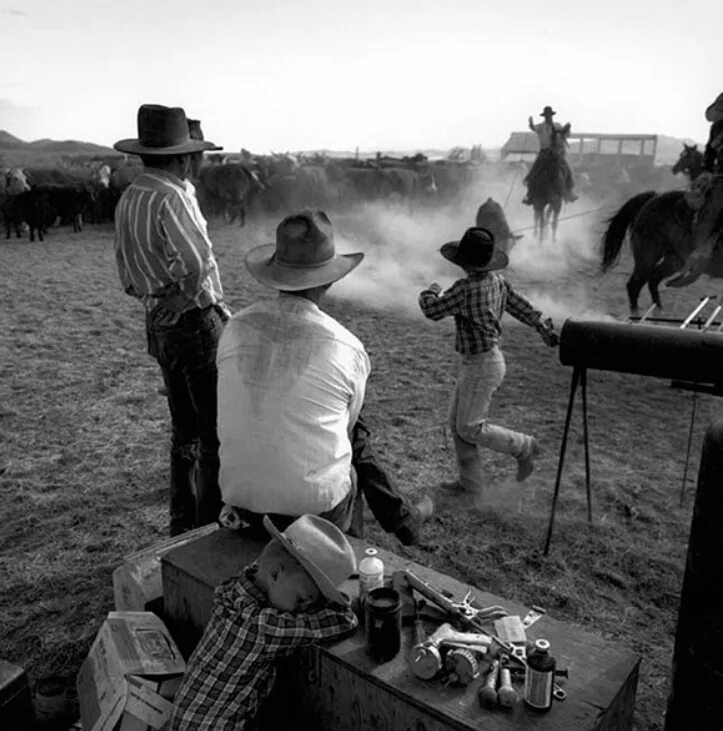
x,y
30,207
227,189
491,216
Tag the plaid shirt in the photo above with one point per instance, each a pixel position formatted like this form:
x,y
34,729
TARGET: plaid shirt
x,y
232,670
477,303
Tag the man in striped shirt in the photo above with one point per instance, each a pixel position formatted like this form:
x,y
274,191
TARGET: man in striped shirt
x,y
477,303
165,259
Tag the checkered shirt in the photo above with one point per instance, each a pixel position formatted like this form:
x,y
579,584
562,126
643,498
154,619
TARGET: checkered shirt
x,y
232,670
478,302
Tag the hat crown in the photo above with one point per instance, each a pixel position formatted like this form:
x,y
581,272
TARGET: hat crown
x,y
548,110
160,126
324,545
476,246
305,240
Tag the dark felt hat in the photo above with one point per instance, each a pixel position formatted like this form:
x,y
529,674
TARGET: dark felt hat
x,y
303,256
162,131
714,113
476,250
547,110
196,133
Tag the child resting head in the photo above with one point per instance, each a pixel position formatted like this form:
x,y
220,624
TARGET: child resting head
x,y
305,564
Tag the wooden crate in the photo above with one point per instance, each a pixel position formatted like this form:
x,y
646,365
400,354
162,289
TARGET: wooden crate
x,y
341,687
16,707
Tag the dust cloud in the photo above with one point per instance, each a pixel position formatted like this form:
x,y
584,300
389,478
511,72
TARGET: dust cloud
x,y
402,252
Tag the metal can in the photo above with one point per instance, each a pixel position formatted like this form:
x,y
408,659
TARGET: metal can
x,y
383,614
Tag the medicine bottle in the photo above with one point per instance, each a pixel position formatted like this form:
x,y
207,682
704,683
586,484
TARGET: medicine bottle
x,y
540,677
371,573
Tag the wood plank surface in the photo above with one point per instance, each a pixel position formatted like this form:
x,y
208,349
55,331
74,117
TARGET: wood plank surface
x,y
346,685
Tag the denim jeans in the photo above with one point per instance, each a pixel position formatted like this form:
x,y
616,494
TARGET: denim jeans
x,y
480,375
186,353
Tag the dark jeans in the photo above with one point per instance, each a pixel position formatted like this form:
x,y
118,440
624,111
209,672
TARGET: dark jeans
x,y
391,509
186,353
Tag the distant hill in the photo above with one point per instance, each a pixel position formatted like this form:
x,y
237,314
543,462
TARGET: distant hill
x,y
14,151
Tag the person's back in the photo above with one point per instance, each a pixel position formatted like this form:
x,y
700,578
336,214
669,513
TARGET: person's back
x,y
291,385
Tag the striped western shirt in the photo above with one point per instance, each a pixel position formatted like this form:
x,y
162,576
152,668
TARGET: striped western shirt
x,y
233,668
162,245
477,303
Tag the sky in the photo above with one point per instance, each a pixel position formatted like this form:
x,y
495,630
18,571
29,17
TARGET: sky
x,y
269,75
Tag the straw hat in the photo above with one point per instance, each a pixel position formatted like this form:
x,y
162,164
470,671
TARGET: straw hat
x,y
322,549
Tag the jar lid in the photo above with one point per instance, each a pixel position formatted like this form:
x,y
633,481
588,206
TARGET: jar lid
x,y
542,645
371,551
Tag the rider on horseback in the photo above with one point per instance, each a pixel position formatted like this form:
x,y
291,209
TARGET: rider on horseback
x,y
707,224
553,145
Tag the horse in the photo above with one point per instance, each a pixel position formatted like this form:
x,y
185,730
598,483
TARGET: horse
x,y
545,192
661,238
690,162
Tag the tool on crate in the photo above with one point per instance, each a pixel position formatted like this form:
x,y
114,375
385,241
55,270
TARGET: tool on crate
x,y
507,696
427,658
464,612
461,666
532,616
487,692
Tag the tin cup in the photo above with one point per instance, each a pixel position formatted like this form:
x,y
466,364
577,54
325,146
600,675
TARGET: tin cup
x,y
383,615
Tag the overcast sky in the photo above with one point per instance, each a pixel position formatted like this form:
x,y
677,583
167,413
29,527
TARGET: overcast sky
x,y
388,74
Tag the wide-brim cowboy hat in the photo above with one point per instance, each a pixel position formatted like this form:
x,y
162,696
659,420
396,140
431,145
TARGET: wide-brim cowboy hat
x,y
162,131
476,250
196,133
303,256
322,550
714,113
547,110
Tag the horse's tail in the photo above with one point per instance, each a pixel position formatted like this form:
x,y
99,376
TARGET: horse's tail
x,y
618,225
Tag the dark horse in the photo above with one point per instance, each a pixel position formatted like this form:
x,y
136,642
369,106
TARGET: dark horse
x,y
690,162
660,237
545,192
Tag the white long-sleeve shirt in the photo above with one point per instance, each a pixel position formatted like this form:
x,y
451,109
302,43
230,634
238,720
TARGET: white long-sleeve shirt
x,y
291,383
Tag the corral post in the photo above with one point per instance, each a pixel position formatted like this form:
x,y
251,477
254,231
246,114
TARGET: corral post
x,y
696,693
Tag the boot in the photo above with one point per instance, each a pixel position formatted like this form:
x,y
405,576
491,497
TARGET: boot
x,y
408,531
526,465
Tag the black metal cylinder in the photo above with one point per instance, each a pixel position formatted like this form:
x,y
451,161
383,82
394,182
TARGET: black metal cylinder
x,y
646,350
696,693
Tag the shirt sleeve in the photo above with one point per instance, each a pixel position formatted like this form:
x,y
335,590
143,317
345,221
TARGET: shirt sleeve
x,y
284,632
436,307
359,386
188,247
521,308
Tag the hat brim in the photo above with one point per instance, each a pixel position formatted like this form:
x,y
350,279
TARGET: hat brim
x,y
265,268
499,260
326,586
714,113
134,147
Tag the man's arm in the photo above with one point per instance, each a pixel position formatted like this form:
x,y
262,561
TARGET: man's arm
x,y
188,247
285,632
436,306
531,124
521,308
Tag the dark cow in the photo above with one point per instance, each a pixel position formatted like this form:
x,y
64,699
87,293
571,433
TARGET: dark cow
x,y
227,189
405,186
491,216
30,207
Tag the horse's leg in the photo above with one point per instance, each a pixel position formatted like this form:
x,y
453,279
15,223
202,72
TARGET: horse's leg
x,y
555,207
666,268
634,285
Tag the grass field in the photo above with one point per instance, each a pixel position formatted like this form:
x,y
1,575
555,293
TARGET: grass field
x,y
84,435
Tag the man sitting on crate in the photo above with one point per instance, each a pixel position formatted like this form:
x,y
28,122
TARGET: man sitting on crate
x,y
553,146
290,392
707,255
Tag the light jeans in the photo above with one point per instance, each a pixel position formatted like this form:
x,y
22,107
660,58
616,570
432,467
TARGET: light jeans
x,y
479,376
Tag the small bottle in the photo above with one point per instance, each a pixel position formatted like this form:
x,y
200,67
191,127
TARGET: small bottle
x,y
371,573
540,677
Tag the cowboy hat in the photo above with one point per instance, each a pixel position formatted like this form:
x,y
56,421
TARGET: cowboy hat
x,y
476,250
547,110
196,133
162,131
322,550
714,113
303,255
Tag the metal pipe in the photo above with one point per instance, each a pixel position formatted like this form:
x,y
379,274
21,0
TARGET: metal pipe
x,y
646,350
703,302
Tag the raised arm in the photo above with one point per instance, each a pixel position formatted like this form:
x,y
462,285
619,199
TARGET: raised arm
x,y
436,305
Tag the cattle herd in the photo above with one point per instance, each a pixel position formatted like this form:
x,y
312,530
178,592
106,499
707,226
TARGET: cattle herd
x,y
35,198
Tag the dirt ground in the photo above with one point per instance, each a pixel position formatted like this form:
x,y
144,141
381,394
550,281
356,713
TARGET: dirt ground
x,y
84,435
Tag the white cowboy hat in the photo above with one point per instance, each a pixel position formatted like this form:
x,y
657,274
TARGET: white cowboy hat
x,y
322,549
303,255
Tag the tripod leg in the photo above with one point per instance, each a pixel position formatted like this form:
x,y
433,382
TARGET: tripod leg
x,y
561,460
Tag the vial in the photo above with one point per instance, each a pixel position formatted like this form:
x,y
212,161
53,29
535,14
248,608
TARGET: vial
x,y
540,677
371,573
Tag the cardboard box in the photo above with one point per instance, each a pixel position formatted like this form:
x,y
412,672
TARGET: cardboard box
x,y
130,676
137,582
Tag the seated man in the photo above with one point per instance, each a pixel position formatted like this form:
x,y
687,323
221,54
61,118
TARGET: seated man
x,y
290,391
553,146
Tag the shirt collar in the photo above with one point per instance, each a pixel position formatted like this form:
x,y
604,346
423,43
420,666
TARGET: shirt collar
x,y
165,174
301,302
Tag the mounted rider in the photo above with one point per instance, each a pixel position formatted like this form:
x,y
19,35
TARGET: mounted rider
x,y
553,146
707,230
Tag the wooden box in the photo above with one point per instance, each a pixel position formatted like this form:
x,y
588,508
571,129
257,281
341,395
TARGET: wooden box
x,y
16,707
341,687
